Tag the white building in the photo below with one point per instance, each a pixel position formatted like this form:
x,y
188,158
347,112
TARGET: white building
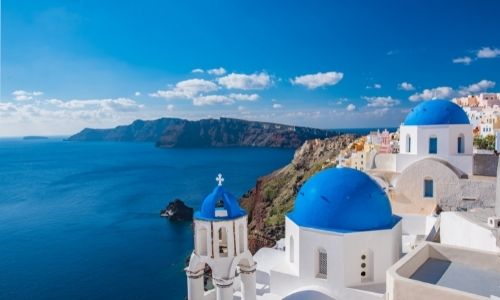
x,y
340,239
221,242
436,129
435,165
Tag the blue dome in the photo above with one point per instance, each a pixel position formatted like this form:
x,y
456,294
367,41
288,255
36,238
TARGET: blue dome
x,y
436,112
342,200
209,206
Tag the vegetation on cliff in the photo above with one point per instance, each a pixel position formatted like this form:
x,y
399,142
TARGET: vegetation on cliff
x,y
274,194
485,143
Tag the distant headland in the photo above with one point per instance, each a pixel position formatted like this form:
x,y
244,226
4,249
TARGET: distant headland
x,y
223,132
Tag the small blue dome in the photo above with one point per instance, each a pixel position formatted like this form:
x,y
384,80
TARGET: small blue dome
x,y
210,203
436,112
342,200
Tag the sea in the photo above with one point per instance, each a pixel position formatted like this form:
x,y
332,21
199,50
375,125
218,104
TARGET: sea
x,y
80,220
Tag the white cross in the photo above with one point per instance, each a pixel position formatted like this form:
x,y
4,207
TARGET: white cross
x,y
219,179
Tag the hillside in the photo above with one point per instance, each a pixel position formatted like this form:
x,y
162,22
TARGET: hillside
x,y
223,132
274,194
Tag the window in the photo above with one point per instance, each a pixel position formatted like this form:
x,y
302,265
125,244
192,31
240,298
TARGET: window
x,y
223,251
408,143
433,145
322,263
460,144
292,250
366,264
428,188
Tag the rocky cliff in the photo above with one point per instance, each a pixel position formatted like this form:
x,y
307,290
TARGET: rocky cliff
x,y
274,194
223,132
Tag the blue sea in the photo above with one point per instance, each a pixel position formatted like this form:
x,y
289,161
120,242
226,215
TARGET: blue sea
x,y
80,220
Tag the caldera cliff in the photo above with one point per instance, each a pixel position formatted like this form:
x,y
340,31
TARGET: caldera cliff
x,y
223,132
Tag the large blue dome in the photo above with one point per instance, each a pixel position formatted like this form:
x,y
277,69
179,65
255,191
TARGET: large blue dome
x,y
211,202
342,200
436,112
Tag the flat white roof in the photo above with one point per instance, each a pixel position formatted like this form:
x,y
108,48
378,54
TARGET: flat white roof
x,y
459,276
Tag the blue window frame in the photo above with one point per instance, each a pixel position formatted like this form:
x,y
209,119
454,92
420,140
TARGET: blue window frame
x,y
460,144
433,145
428,188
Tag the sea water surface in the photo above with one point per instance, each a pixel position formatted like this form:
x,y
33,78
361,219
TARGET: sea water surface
x,y
80,220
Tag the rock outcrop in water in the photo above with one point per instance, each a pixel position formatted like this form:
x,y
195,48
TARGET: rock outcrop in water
x,y
274,194
223,132
177,211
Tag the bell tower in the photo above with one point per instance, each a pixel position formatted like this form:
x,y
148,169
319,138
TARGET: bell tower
x,y
221,242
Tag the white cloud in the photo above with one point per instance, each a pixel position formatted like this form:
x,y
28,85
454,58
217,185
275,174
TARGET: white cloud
x,y
350,107
374,86
245,81
22,95
487,52
466,60
187,89
7,108
197,71
406,86
478,87
313,81
112,105
243,97
170,107
277,106
442,92
381,101
446,92
212,99
379,112
217,71
137,93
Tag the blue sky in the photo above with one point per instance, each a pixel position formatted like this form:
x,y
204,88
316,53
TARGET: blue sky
x,y
67,65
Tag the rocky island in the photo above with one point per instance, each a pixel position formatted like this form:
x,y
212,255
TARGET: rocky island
x,y
223,132
177,211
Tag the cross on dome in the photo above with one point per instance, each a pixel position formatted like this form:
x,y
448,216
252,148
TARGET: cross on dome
x,y
219,179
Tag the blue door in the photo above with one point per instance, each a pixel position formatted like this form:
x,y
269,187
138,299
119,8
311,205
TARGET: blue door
x,y
428,188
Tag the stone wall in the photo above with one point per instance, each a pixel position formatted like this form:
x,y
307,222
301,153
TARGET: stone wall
x,y
485,164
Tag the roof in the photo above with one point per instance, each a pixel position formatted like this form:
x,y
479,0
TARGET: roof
x,y
343,200
211,201
459,276
436,112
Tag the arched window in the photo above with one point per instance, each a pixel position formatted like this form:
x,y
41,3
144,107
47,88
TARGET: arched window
x,y
223,242
241,234
428,188
460,143
292,249
433,145
220,210
408,143
322,263
201,241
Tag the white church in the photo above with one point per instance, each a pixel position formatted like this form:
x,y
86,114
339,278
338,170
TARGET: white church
x,y
342,239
